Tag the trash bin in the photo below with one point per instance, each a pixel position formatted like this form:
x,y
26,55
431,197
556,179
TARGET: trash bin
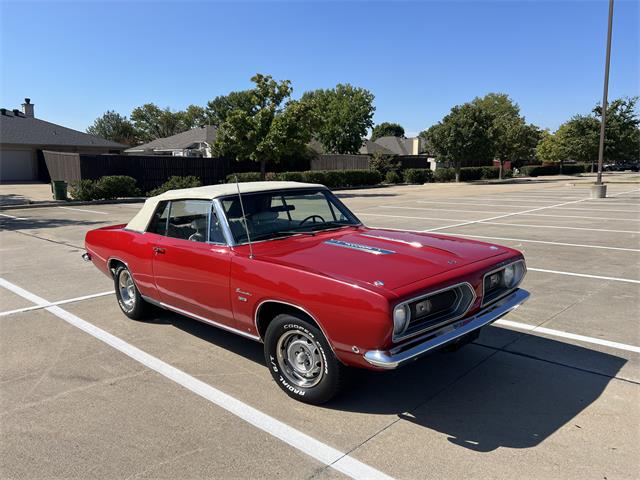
x,y
59,189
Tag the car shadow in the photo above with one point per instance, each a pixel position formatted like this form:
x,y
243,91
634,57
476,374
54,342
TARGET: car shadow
x,y
482,397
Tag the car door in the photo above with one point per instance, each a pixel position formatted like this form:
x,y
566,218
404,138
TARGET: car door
x,y
191,260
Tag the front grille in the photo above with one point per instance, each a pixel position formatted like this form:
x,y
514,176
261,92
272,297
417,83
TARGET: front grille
x,y
438,308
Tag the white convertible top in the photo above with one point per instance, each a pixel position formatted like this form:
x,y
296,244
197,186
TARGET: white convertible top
x,y
143,217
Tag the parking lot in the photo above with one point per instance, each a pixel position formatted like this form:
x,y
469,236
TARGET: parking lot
x,y
551,391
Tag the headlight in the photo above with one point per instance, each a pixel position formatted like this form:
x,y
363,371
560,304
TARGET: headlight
x,y
509,275
401,316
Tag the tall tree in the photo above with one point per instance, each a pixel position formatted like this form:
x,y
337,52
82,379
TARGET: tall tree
x,y
345,114
194,116
115,127
268,129
219,108
513,139
622,130
152,122
463,134
387,129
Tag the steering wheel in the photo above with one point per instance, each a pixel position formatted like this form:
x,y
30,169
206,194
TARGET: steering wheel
x,y
311,217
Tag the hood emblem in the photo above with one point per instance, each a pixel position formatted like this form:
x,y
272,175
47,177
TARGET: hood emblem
x,y
451,262
359,246
378,283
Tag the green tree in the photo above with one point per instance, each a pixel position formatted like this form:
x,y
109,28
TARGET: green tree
x,y
345,114
386,129
194,116
513,139
622,131
463,134
152,122
115,127
219,108
271,128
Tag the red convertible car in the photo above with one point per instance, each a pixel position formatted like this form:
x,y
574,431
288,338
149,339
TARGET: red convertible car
x,y
289,265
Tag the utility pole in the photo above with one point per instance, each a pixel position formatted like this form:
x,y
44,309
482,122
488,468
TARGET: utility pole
x,y
600,190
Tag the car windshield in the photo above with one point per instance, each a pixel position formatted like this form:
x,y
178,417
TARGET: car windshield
x,y
278,214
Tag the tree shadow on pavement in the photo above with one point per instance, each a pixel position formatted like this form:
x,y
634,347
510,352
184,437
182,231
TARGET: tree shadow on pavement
x,y
37,223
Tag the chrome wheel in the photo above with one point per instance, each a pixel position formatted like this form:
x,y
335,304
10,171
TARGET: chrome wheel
x,y
127,290
300,358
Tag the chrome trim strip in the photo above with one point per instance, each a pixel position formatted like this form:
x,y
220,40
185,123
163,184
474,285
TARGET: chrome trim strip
x,y
360,247
201,319
449,320
524,264
406,242
255,318
396,357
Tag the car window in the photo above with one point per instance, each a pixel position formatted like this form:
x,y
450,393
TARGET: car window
x,y
215,232
159,220
189,219
273,214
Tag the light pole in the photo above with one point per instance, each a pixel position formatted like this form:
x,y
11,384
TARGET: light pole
x,y
599,189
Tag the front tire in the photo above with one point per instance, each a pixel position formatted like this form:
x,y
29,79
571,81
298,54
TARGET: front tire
x,y
129,299
301,360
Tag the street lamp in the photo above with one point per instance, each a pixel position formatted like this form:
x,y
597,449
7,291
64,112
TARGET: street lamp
x,y
599,190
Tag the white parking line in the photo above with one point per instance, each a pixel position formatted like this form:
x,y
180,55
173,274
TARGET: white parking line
x,y
400,216
572,336
11,216
508,205
524,214
545,242
560,227
584,275
84,210
60,302
314,448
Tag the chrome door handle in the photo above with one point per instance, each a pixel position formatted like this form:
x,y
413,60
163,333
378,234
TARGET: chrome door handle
x,y
158,250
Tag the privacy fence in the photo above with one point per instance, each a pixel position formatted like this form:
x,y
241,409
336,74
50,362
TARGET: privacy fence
x,y
151,171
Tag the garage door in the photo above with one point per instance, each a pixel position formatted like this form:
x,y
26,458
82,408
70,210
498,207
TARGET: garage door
x,y
16,165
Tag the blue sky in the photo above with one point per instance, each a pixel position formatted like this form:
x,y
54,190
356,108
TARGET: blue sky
x,y
79,59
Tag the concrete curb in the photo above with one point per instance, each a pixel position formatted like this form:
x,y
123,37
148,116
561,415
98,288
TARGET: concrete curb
x,y
62,203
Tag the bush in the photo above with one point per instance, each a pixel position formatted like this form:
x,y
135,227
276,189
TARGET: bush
x,y
417,175
117,186
105,188
538,170
393,177
175,183
290,177
244,177
574,169
83,190
383,164
444,175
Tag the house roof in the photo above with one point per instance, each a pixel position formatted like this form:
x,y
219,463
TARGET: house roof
x,y
21,130
369,148
143,217
179,141
397,145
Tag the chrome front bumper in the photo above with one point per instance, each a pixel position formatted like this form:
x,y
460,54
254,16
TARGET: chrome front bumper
x,y
402,354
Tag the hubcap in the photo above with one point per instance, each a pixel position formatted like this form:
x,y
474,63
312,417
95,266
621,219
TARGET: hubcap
x,y
300,359
127,289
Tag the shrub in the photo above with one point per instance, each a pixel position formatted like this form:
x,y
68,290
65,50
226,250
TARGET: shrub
x,y
383,164
244,177
393,177
290,176
175,183
444,175
538,170
83,190
417,175
117,186
575,169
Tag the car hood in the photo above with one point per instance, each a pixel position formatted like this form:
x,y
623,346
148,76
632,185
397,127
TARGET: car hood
x,y
394,257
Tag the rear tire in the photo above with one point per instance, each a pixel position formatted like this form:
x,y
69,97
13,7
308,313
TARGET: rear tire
x,y
301,360
129,299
